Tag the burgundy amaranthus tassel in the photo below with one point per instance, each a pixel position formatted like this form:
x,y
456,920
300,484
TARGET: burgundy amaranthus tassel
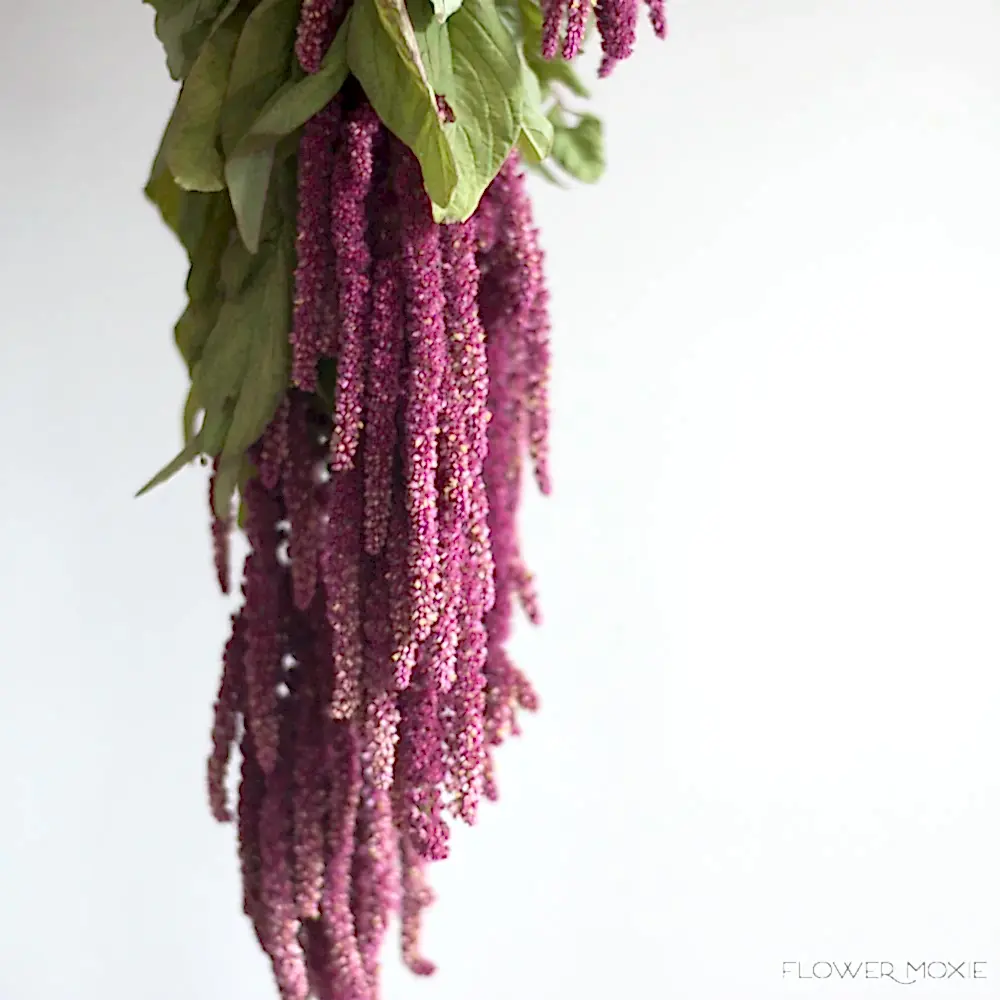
x,y
616,23
365,681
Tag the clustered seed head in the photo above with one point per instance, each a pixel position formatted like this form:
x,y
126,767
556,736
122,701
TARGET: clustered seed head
x,y
365,681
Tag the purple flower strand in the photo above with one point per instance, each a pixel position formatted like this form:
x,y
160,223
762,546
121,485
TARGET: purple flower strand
x,y
616,24
228,706
576,27
369,668
310,799
277,895
428,357
382,402
341,568
318,23
251,797
351,182
421,769
417,896
273,451
313,245
221,529
304,456
347,973
263,610
527,289
375,887
397,575
554,14
658,17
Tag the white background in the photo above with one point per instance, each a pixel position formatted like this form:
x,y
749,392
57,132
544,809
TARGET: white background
x,y
771,566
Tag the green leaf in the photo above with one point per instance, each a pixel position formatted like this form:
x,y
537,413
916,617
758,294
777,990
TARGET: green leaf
x,y
229,476
185,212
247,178
557,70
236,266
434,44
297,101
443,9
266,375
186,455
182,26
243,370
395,20
536,130
382,52
486,95
260,66
191,140
547,174
193,329
579,149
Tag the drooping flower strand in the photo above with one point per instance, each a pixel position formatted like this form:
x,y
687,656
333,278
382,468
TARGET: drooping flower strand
x,y
576,27
222,528
420,270
318,23
554,12
616,24
365,679
311,334
351,182
658,17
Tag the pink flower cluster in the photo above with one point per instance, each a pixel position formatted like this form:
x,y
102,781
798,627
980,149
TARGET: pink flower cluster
x,y
565,21
365,682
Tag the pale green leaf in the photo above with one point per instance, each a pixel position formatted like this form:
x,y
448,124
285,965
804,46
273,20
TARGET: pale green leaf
x,y
297,101
443,9
184,457
390,69
230,474
192,136
486,96
395,19
547,174
268,316
579,149
434,44
248,178
182,27
536,130
261,64
193,329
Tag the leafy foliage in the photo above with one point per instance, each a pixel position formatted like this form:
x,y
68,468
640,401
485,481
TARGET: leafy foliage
x,y
461,82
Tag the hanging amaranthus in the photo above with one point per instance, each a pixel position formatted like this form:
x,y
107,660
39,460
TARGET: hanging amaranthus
x,y
368,341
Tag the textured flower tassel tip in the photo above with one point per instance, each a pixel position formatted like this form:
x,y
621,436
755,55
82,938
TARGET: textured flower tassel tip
x,y
367,338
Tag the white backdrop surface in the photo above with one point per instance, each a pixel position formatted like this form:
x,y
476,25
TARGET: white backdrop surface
x,y
770,568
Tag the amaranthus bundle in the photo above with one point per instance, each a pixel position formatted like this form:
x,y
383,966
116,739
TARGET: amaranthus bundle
x,y
367,336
